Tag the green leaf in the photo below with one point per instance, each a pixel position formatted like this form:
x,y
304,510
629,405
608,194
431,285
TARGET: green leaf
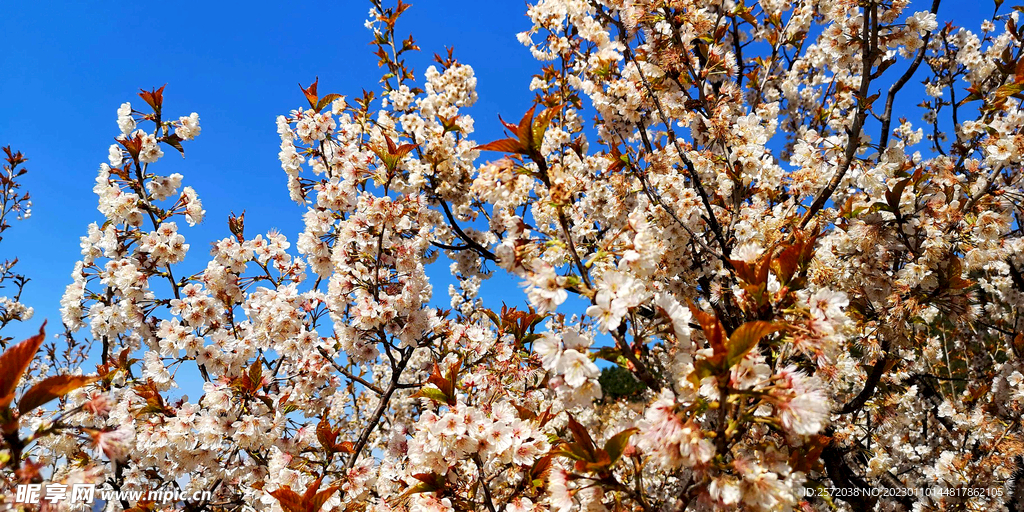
x,y
429,482
745,338
1008,90
571,451
326,100
702,368
540,125
617,444
432,393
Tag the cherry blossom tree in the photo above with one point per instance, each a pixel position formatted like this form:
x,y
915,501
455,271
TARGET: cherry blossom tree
x,y
794,299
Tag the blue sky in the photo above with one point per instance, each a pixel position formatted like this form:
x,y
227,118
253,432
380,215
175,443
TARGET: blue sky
x,y
238,68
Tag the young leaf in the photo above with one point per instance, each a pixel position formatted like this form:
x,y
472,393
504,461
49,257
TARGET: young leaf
x,y
714,331
785,264
174,141
745,271
325,101
429,482
892,197
432,393
315,503
310,92
745,338
50,388
15,361
540,126
525,128
289,499
326,435
583,439
617,444
503,145
155,97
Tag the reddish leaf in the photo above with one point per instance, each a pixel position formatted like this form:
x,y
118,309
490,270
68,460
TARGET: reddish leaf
x,y
392,147
255,375
545,417
541,467
954,271
446,384
325,434
785,264
892,197
503,145
429,482
529,132
762,268
133,145
449,123
714,331
525,129
1007,90
311,491
601,462
808,456
404,149
15,361
174,141
155,97
437,379
50,388
392,154
236,224
807,251
315,503
618,160
744,270
583,439
289,499
310,92
524,413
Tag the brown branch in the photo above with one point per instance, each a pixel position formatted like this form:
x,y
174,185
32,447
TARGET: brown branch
x,y
853,144
481,250
869,386
895,87
396,374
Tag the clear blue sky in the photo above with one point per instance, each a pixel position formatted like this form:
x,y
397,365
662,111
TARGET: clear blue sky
x,y
68,66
